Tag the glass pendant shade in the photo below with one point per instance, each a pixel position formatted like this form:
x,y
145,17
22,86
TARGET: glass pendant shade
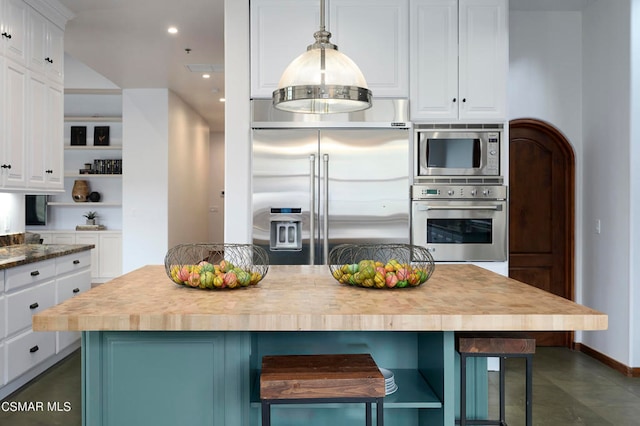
x,y
322,80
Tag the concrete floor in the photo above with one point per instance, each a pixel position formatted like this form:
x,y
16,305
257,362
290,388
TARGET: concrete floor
x,y
569,388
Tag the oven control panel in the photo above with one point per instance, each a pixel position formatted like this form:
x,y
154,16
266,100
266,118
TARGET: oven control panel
x,y
458,192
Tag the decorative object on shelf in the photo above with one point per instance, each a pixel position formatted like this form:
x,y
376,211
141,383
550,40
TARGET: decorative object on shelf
x,y
101,136
381,265
322,80
94,197
91,217
78,135
90,227
107,167
80,191
216,266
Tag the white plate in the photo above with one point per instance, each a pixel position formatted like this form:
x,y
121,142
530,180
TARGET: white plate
x,y
388,374
392,390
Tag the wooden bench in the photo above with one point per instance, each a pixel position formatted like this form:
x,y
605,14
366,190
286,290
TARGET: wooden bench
x,y
503,346
297,379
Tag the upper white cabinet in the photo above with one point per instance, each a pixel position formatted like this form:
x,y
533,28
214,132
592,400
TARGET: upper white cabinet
x,y
13,131
46,48
459,60
13,27
373,34
31,101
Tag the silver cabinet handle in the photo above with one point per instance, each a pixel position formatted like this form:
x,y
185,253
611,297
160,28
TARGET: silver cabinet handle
x,y
325,222
425,208
312,208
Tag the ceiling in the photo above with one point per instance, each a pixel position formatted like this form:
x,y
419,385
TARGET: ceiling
x,y
127,42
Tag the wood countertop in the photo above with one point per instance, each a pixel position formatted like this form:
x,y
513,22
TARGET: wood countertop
x,y
460,297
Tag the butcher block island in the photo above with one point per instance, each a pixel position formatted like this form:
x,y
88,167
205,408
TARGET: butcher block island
x,y
157,353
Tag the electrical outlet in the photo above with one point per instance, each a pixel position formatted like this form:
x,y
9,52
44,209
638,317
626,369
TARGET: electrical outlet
x,y
597,226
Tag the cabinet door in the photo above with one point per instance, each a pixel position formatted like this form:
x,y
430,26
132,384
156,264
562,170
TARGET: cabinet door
x,y
13,153
281,30
37,134
63,238
483,59
375,36
55,53
37,43
110,254
67,287
434,59
14,30
91,238
54,170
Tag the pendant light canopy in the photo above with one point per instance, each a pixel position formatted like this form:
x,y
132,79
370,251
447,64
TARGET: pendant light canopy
x,y
322,80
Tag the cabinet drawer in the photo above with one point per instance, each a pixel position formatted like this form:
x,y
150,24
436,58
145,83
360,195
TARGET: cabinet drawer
x,y
32,273
27,350
73,284
73,262
23,304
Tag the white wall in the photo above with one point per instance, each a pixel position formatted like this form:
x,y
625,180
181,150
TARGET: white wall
x,y
634,159
606,153
237,206
77,75
545,83
216,187
188,182
145,190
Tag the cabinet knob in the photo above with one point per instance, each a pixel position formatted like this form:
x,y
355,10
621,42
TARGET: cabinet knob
x,y
6,34
48,60
35,273
76,290
34,349
34,306
454,99
76,262
6,166
464,99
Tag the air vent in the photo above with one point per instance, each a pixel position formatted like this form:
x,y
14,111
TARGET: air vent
x,y
205,68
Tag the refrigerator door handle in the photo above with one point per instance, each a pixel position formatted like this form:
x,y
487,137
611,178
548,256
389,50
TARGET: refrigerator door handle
x,y
312,209
325,222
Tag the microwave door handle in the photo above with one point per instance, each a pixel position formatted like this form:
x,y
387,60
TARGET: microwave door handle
x,y
425,208
325,222
312,209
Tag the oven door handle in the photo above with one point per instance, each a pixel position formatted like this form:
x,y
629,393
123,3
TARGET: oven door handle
x,y
422,207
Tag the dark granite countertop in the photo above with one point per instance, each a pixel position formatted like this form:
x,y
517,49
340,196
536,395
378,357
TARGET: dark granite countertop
x,y
21,254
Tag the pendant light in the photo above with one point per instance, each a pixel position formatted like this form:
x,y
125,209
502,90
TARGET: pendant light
x,y
322,80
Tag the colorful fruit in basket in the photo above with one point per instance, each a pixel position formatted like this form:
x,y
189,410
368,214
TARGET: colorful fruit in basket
x,y
376,274
255,277
391,279
218,281
378,279
231,279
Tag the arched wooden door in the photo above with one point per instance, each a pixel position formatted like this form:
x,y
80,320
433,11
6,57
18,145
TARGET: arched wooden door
x,y
541,212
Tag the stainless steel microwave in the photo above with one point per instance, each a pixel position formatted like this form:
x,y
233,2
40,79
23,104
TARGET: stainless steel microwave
x,y
456,151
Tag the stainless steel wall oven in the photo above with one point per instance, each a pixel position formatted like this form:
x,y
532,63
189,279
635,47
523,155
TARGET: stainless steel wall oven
x,y
460,223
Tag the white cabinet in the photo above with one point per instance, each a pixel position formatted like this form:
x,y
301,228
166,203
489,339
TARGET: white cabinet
x,y
373,34
31,80
13,24
13,132
106,257
459,60
24,291
45,165
46,48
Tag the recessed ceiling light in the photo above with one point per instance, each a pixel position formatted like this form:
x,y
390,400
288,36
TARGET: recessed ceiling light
x,y
206,75
172,30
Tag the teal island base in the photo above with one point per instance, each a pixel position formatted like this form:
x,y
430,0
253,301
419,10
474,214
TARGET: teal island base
x,y
205,378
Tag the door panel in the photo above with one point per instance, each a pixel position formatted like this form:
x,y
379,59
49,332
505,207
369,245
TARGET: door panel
x,y
541,218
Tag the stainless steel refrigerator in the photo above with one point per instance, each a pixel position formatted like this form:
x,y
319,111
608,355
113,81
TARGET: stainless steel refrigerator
x,y
317,184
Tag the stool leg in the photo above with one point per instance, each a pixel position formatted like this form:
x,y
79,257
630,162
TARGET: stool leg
x,y
529,389
503,373
266,413
380,411
367,415
463,390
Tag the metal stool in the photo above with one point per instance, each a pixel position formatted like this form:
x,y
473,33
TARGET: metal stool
x,y
298,379
502,346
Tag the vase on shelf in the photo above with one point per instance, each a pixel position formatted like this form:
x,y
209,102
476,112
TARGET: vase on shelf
x,y
80,191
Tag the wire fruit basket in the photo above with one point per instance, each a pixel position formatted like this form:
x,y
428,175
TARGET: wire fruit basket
x,y
381,265
216,266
